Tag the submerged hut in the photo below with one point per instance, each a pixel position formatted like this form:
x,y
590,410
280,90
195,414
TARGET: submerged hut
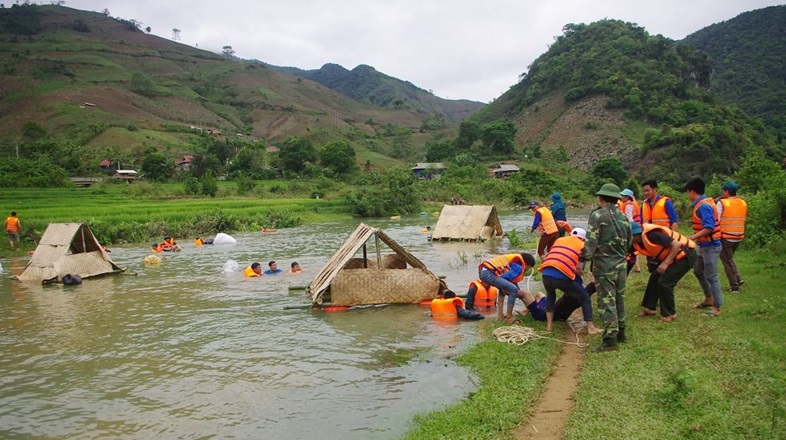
x,y
68,248
396,277
467,223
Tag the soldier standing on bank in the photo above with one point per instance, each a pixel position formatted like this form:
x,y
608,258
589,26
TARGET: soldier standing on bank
x,y
608,240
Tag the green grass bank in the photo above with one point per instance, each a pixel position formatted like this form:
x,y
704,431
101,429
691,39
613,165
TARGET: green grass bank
x,y
694,378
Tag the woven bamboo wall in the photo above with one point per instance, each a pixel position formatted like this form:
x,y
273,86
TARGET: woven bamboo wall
x,y
382,286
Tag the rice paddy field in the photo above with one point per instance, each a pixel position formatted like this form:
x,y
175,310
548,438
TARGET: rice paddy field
x,y
139,212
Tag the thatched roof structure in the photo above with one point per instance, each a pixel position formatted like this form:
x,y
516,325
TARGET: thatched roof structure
x,y
68,248
467,222
375,279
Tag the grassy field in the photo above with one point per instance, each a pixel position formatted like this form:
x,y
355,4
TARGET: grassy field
x,y
698,377
138,212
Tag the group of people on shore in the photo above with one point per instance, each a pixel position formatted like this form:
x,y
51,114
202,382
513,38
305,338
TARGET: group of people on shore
x,y
618,231
255,270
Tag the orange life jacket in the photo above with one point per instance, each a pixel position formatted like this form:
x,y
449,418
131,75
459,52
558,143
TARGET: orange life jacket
x,y
716,233
12,224
658,252
564,256
445,308
547,224
168,242
732,222
249,272
198,242
565,226
158,248
485,297
657,214
501,264
636,209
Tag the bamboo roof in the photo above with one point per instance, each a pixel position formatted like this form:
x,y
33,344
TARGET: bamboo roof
x,y
467,222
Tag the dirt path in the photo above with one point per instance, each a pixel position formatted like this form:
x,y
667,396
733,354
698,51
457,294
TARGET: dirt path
x,y
550,414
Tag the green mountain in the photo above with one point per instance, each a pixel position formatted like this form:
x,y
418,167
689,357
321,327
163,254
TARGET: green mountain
x,y
748,55
609,89
113,90
365,84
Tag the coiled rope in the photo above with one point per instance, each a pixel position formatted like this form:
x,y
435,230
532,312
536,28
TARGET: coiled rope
x,y
519,335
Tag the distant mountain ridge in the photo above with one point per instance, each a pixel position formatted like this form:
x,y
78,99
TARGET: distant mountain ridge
x,y
366,84
748,53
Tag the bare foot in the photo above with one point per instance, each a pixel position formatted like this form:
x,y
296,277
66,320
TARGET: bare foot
x,y
511,320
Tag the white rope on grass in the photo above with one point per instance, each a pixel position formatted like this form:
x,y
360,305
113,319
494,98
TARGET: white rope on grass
x,y
519,335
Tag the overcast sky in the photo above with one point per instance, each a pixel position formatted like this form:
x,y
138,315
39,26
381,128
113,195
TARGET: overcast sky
x,y
459,49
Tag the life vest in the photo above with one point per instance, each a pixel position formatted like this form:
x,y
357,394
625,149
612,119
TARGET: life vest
x,y
12,224
636,209
158,248
657,214
198,242
732,222
658,252
249,272
564,256
445,308
501,264
565,226
547,226
168,243
485,297
716,233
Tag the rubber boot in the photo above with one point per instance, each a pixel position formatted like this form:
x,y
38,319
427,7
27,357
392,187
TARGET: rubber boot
x,y
621,336
609,344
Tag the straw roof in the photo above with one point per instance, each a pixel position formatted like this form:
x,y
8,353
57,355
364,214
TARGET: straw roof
x,y
68,248
467,222
344,257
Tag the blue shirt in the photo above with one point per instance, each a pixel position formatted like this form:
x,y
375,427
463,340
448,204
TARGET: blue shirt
x,y
707,215
273,272
514,272
553,272
536,222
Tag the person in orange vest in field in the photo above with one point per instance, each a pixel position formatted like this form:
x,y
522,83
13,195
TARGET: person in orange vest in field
x,y
733,212
12,228
657,209
450,308
253,271
670,255
564,227
504,272
632,210
706,234
481,296
560,268
545,223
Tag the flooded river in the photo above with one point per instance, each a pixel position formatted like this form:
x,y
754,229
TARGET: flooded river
x,y
183,350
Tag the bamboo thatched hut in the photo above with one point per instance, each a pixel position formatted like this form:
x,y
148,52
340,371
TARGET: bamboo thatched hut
x,y
397,277
467,223
68,248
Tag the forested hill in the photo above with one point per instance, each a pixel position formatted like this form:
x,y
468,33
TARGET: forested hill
x,y
642,80
748,54
365,83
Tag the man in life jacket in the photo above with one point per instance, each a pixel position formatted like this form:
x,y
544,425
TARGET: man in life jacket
x,y
155,247
656,208
504,272
706,234
12,228
732,211
481,296
253,271
295,267
560,268
544,222
200,241
632,210
450,308
670,255
169,243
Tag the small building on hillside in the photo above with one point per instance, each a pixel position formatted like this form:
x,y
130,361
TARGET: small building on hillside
x,y
185,163
428,170
105,165
505,170
127,175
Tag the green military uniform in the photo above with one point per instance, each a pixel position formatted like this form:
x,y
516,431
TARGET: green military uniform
x,y
608,240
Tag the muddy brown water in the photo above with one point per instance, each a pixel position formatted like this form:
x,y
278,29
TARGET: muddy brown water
x,y
183,350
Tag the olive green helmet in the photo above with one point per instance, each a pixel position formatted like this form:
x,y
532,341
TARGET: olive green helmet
x,y
609,190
